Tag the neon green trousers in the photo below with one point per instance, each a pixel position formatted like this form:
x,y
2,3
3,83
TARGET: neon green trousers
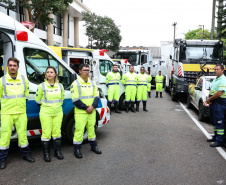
x,y
130,92
159,87
83,121
149,87
142,92
7,121
113,92
51,126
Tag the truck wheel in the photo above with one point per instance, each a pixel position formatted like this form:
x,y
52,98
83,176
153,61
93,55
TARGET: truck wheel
x,y
189,105
122,100
71,130
173,96
201,112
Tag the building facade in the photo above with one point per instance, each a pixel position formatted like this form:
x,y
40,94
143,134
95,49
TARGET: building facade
x,y
65,29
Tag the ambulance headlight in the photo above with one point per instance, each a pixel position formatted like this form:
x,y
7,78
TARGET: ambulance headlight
x,y
101,93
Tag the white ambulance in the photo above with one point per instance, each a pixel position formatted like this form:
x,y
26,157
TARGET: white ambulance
x,y
35,56
100,64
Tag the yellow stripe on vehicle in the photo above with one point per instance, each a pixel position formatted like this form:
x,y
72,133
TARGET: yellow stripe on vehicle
x,y
196,67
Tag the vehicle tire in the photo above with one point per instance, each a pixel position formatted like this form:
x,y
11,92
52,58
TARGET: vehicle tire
x,y
173,96
201,113
122,100
71,130
189,105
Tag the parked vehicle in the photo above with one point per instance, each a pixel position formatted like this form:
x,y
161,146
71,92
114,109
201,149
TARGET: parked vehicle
x,y
197,95
35,56
100,64
189,57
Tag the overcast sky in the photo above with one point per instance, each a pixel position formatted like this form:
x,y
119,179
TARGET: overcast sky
x,y
147,22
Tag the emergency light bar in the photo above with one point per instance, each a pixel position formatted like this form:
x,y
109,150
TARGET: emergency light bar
x,y
21,36
101,51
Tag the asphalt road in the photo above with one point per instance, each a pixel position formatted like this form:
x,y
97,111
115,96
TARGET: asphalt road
x,y
163,146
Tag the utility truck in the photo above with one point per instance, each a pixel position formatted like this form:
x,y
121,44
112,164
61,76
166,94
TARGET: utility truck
x,y
189,58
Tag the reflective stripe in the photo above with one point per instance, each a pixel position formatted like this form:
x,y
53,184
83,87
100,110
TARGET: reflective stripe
x,y
54,138
21,96
142,81
76,99
114,80
77,142
43,139
44,89
38,102
93,139
51,101
4,148
23,81
131,84
9,97
130,80
158,82
23,146
80,91
220,132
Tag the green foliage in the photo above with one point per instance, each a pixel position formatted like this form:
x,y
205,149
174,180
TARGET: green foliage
x,y
102,32
198,34
39,10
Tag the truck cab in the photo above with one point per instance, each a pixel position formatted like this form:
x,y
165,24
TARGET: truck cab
x,y
191,57
35,56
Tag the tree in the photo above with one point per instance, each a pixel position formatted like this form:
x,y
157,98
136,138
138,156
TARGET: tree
x,y
39,10
101,31
198,34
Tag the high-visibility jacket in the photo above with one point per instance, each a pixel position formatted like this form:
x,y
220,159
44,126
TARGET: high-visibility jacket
x,y
219,84
84,91
159,79
129,79
142,79
13,94
149,78
112,78
50,98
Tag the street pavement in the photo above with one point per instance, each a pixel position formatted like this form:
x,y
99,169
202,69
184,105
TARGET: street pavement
x,y
162,146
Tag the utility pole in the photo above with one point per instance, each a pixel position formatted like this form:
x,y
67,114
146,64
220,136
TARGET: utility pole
x,y
219,19
213,20
202,31
174,25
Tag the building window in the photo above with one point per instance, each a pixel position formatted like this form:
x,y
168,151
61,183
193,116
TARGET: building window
x,y
57,25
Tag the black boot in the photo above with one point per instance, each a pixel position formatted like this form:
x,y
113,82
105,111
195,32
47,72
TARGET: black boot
x,y
46,150
149,94
57,147
116,108
137,106
26,154
144,106
77,150
160,94
3,158
94,147
109,106
156,95
132,107
127,107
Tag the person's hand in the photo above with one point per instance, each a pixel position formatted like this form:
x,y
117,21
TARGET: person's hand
x,y
208,100
89,110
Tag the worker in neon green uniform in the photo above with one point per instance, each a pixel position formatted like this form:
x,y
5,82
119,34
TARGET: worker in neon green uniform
x,y
85,97
50,97
14,91
130,81
142,81
149,84
112,82
159,84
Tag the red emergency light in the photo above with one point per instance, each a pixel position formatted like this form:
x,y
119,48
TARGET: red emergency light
x,y
125,61
22,35
101,51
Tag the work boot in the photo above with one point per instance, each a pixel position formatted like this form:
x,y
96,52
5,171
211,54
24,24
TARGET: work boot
x,y
26,154
211,140
2,165
94,147
137,106
46,150
160,94
156,95
132,107
109,106
127,107
116,108
216,144
77,152
57,148
144,106
149,94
